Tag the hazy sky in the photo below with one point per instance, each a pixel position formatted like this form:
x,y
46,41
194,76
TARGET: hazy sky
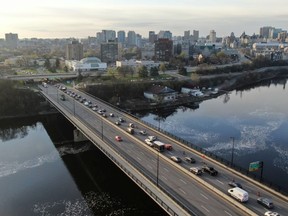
x,y
83,18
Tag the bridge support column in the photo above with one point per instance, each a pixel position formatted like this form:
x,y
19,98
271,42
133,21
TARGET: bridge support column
x,y
78,136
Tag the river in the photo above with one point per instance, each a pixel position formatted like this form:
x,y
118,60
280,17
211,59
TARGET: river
x,y
255,117
42,172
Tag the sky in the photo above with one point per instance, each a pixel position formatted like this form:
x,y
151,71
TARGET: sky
x,y
83,18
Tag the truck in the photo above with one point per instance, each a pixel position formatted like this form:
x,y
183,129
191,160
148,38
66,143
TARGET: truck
x,y
130,130
159,146
239,194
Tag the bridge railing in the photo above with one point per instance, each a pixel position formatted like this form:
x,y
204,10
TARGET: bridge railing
x,y
244,171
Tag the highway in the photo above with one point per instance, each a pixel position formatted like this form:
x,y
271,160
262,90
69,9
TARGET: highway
x,y
172,178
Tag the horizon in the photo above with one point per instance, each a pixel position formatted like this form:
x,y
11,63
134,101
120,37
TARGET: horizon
x,y
66,19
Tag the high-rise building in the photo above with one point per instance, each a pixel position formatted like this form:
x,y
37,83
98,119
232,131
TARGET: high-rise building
x,y
212,36
121,36
163,49
165,34
152,36
186,35
195,35
139,40
131,39
264,31
11,40
74,51
109,52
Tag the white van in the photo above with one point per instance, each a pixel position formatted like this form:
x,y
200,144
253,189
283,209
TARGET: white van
x,y
239,194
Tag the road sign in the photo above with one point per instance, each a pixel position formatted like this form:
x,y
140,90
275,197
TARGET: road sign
x,y
254,166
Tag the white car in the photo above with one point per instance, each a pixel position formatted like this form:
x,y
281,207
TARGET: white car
x,y
148,142
270,213
143,132
86,103
152,138
176,159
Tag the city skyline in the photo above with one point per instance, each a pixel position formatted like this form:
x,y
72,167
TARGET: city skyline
x,y
62,19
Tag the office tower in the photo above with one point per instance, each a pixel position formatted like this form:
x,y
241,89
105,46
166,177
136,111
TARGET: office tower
x,y
163,49
186,35
121,36
11,40
139,40
152,36
109,52
195,35
131,39
212,36
109,35
74,51
264,31
165,34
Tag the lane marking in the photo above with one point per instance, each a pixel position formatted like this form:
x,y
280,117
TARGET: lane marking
x,y
204,196
182,191
205,208
166,170
139,158
220,182
227,213
164,178
183,181
142,153
150,167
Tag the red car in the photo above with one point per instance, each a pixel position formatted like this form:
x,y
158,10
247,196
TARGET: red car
x,y
118,138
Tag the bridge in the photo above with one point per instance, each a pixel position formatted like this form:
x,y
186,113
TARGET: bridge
x,y
171,185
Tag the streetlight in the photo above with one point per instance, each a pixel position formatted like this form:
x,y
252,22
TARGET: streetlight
x,y
157,168
74,106
232,156
101,127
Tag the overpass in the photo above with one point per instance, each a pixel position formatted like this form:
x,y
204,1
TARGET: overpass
x,y
169,184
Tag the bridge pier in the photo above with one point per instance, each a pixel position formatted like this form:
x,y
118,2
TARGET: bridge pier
x,y
79,136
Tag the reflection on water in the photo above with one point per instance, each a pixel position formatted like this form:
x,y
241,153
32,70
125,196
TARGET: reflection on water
x,y
40,178
257,118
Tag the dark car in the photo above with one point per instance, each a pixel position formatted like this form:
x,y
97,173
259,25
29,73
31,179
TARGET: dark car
x,y
265,202
210,170
235,184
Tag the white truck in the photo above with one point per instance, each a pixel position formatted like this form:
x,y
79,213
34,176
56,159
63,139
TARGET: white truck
x,y
239,194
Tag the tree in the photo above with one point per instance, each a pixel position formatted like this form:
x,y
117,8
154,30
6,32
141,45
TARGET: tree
x,y
112,72
47,64
66,68
124,70
143,72
182,71
154,72
57,63
162,68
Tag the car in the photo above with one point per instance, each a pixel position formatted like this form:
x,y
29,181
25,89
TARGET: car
x,y
94,108
118,138
234,184
190,159
121,119
210,170
131,125
270,213
176,159
86,103
266,202
148,142
117,123
143,132
152,138
104,115
196,170
111,114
